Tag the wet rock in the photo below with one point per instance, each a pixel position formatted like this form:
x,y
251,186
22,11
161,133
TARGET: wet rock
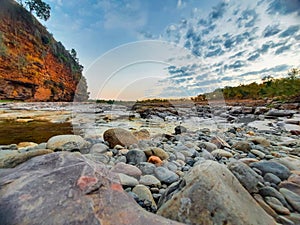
x,y
246,176
74,190
280,113
13,159
119,136
9,147
207,199
67,143
272,167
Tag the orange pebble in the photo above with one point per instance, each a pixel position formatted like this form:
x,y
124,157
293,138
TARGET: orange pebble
x,y
155,160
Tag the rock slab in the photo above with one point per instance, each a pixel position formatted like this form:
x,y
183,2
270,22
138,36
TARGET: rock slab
x,y
67,188
212,195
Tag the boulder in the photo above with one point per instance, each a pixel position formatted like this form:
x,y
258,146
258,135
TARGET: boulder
x,y
15,158
67,188
67,143
212,195
119,136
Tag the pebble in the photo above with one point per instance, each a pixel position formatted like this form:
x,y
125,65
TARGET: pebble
x,y
221,153
126,180
272,167
258,153
292,198
127,169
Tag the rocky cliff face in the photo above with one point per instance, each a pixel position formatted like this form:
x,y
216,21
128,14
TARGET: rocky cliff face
x,y
33,65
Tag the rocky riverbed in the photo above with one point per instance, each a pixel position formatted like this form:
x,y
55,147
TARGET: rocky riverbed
x,y
127,165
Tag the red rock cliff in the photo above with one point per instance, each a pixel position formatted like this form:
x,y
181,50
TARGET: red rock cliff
x,y
33,65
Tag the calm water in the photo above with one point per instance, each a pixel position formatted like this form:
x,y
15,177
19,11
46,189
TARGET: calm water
x,y
12,132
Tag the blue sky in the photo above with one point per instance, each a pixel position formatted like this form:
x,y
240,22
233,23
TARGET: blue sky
x,y
134,49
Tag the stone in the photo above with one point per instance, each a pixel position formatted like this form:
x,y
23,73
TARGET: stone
x,y
143,193
294,178
157,152
98,158
180,129
98,148
142,134
293,163
155,160
277,205
135,156
12,160
295,217
284,221
290,186
127,169
258,153
272,167
260,141
292,198
248,160
246,176
219,142
126,180
149,180
146,168
165,175
280,113
70,188
264,205
67,143
242,146
208,146
119,136
27,144
219,153
212,195
270,177
272,192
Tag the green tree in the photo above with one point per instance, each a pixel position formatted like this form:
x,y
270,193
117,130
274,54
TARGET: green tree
x,y
41,9
293,73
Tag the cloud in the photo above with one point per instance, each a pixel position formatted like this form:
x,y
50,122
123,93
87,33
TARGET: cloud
x,y
254,57
284,7
290,31
271,30
282,49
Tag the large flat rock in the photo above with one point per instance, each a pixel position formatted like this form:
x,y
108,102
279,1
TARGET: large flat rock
x,y
67,188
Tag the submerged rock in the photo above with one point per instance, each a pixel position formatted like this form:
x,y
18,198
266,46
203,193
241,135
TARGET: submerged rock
x,y
67,188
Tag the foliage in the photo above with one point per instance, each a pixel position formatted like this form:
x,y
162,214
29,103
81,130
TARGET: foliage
x,y
283,89
41,9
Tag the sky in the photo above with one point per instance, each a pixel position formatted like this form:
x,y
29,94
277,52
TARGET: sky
x,y
137,49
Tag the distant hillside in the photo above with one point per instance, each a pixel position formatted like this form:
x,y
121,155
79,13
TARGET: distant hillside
x,y
33,65
284,89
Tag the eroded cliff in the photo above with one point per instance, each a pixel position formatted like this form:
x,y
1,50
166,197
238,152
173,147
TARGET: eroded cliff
x,y
33,65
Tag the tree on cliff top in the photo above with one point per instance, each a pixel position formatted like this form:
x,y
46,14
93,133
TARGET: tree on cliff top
x,y
41,9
